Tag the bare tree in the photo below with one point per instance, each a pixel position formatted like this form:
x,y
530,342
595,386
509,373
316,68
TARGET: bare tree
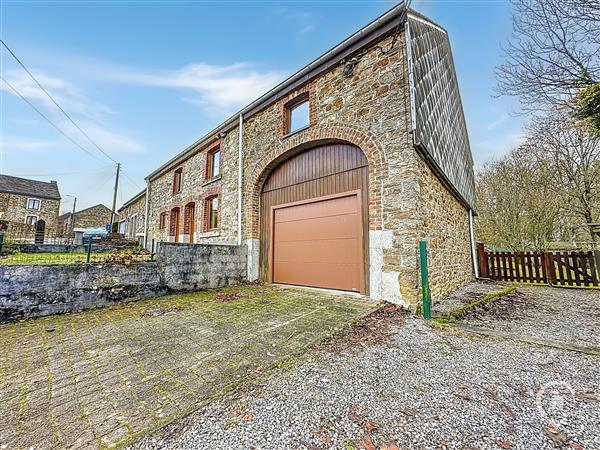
x,y
554,52
570,155
516,208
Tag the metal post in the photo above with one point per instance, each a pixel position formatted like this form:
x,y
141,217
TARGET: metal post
x,y
425,291
1,241
152,253
89,250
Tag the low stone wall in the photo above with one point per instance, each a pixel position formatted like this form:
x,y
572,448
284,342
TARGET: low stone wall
x,y
190,267
38,290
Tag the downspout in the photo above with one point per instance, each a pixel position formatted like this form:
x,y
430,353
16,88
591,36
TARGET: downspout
x,y
146,214
240,180
473,245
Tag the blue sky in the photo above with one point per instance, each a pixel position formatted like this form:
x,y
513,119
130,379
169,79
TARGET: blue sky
x,y
146,79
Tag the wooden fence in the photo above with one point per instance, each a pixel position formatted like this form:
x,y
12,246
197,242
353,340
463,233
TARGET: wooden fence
x,y
574,268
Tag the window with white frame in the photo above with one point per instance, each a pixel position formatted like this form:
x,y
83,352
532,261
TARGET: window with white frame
x,y
34,203
31,220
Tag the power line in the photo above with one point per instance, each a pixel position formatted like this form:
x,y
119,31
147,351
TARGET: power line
x,y
54,101
129,179
48,120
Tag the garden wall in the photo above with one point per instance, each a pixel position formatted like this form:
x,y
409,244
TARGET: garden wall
x,y
38,290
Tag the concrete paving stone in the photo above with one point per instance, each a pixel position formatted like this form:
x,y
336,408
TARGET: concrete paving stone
x,y
103,373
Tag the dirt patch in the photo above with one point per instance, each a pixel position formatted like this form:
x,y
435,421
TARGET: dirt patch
x,y
371,329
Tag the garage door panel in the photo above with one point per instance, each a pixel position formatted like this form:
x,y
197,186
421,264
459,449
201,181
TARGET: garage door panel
x,y
331,227
332,251
319,243
332,207
319,275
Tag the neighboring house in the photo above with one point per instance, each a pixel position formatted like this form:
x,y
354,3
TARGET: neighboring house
x,y
24,202
97,216
341,170
132,217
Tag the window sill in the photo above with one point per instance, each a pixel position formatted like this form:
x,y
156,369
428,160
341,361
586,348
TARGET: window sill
x,y
295,132
211,180
207,234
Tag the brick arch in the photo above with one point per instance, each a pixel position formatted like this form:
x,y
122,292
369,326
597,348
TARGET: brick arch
x,y
313,137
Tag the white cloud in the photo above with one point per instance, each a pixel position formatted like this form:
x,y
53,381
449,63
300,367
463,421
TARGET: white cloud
x,y
110,141
88,114
13,144
66,94
218,87
501,119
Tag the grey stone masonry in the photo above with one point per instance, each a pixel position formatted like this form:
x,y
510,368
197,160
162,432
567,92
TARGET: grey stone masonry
x,y
189,267
39,290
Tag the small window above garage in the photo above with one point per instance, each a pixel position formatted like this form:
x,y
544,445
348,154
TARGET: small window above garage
x,y
298,114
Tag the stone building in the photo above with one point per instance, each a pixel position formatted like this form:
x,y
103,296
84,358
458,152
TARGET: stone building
x,y
132,216
331,178
97,216
24,203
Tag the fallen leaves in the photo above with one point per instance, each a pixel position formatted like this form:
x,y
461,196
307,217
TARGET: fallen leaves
x,y
227,296
411,412
559,438
161,311
371,329
506,410
371,426
504,443
367,443
587,397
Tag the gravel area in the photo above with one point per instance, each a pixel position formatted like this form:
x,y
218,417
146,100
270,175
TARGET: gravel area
x,y
422,387
563,315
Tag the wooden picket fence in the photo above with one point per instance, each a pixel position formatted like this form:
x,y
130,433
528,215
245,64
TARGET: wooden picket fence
x,y
573,268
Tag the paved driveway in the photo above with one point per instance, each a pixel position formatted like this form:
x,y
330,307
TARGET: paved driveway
x,y
425,387
104,377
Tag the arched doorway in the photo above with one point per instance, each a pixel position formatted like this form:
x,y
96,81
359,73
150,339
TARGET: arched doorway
x,y
314,219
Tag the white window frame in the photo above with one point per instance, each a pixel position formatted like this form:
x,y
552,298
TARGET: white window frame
x,y
36,199
31,215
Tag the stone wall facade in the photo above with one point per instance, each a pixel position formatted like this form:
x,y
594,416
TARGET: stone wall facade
x,y
132,218
370,109
93,217
38,290
445,227
13,208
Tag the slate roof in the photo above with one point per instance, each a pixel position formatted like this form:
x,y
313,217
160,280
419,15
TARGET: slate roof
x,y
33,188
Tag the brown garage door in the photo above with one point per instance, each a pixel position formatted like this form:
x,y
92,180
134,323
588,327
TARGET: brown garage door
x,y
318,243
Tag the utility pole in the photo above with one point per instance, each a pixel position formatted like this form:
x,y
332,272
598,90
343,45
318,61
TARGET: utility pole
x,y
114,205
73,216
